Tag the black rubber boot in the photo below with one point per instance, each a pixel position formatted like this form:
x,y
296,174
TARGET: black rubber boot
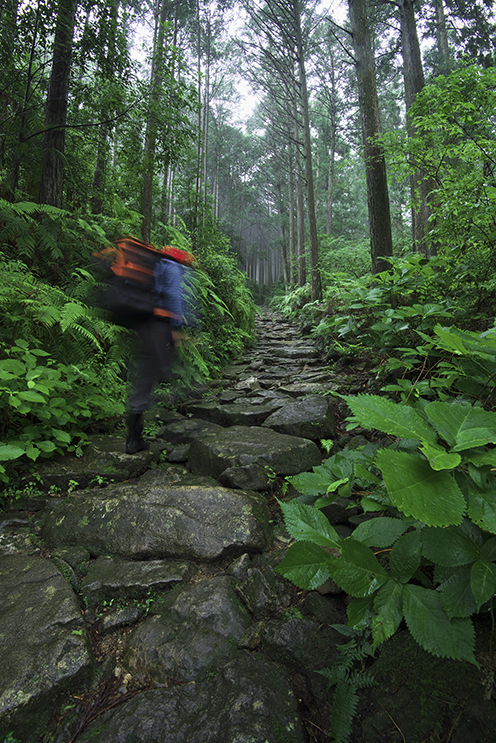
x,y
135,441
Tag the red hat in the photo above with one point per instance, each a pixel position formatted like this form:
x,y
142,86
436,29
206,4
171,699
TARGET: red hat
x,y
181,256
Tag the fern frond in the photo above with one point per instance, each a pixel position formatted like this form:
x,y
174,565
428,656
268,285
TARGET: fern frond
x,y
343,712
362,679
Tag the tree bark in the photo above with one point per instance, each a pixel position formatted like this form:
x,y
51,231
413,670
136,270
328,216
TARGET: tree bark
x,y
381,243
414,81
316,283
151,126
52,179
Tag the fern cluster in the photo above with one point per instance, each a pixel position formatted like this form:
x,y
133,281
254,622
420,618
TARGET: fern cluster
x,y
347,679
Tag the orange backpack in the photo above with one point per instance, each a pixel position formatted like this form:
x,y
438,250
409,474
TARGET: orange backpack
x,y
128,289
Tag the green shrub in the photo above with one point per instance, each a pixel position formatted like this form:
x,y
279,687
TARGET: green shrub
x,y
429,556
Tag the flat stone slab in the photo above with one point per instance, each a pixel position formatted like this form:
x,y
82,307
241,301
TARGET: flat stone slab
x,y
187,522
44,644
311,418
184,431
104,460
115,578
241,446
295,352
234,414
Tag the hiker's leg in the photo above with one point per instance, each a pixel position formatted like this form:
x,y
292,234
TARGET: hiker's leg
x,y
153,362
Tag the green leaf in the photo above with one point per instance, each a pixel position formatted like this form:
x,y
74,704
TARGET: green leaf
x,y
431,627
455,545
481,504
488,550
61,435
306,523
379,532
462,426
483,581
370,505
456,594
404,559
481,458
306,565
9,451
439,458
388,604
46,446
311,483
403,421
419,491
12,366
32,452
357,571
360,612
31,396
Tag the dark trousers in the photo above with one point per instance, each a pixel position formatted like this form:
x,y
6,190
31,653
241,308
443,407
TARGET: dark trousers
x,y
153,362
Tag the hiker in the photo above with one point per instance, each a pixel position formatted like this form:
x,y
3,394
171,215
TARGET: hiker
x,y
158,335
149,291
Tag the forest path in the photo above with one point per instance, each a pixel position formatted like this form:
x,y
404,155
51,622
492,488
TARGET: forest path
x,y
142,601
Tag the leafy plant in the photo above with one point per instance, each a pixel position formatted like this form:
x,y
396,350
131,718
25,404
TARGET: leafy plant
x,y
434,544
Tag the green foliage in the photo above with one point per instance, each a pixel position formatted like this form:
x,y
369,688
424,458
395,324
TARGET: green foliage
x,y
51,242
433,542
347,679
452,141
46,405
344,256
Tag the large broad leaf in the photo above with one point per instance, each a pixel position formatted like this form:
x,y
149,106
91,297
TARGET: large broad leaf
x,y
357,571
9,451
455,545
402,421
11,368
462,426
306,523
404,559
456,594
419,491
306,565
388,604
379,532
431,627
31,396
311,483
483,581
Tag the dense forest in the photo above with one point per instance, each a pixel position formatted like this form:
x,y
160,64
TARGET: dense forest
x,y
337,160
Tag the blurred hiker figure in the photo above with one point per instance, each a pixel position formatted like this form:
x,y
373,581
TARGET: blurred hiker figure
x,y
158,335
148,291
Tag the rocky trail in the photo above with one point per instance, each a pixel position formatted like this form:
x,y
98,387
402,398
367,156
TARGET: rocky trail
x,y
139,601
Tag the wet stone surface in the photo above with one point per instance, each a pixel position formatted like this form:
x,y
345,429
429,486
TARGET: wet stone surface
x,y
145,605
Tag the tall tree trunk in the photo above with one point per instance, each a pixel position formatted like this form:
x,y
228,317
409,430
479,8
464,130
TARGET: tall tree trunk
x,y
316,282
99,171
381,243
300,217
332,148
52,179
442,38
151,125
292,231
27,94
414,81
